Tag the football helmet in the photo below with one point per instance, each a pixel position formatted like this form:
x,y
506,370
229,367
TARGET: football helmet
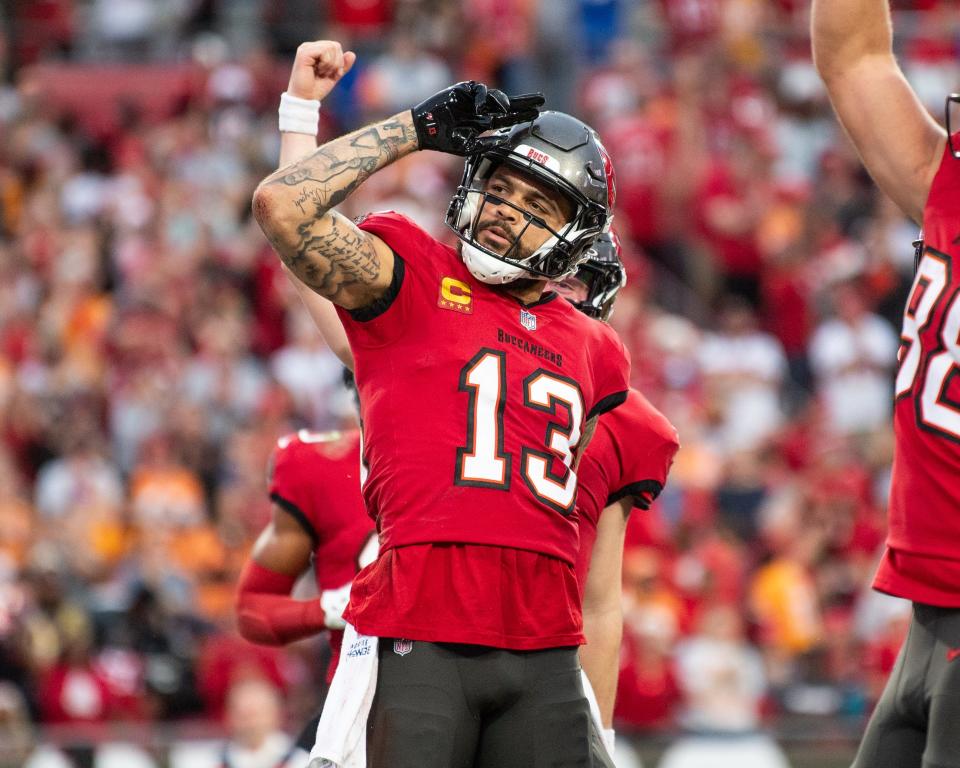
x,y
603,275
565,154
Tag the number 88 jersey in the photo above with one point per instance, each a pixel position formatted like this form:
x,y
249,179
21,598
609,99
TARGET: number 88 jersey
x,y
922,557
473,404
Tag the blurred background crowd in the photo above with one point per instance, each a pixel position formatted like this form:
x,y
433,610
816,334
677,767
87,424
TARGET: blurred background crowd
x,y
151,352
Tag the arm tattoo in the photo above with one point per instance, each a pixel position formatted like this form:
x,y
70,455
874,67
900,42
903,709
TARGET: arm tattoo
x,y
330,174
321,247
332,258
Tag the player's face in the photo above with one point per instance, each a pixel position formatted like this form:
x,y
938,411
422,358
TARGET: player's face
x,y
570,288
499,224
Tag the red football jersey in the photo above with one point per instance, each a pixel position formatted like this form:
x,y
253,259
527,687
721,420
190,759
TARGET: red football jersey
x,y
630,455
473,406
316,478
922,557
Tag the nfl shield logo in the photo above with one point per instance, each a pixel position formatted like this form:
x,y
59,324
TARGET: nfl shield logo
x,y
402,647
528,320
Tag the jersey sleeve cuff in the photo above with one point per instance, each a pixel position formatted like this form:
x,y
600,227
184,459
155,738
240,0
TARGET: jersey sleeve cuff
x,y
607,404
381,305
297,514
643,493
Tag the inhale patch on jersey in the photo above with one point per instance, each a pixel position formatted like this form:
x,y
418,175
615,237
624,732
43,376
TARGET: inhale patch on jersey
x,y
402,647
528,320
539,156
455,295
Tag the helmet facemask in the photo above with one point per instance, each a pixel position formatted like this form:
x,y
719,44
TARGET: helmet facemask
x,y
599,278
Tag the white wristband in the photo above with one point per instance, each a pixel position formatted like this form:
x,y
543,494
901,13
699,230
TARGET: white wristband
x,y
298,115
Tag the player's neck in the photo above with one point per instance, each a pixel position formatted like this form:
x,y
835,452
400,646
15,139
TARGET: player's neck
x,y
526,290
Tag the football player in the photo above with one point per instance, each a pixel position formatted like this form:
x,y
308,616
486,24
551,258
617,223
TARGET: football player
x,y
318,519
914,161
625,466
474,596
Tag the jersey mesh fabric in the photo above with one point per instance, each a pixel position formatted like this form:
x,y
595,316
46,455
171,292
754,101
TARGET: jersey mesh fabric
x,y
630,455
922,557
462,388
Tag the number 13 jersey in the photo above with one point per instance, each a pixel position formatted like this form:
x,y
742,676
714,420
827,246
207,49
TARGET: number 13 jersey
x,y
922,557
473,408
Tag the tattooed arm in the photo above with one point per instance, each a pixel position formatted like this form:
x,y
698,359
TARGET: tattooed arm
x,y
294,206
304,83
324,249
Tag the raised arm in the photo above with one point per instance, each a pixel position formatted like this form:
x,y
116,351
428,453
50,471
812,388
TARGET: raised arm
x,y
294,206
295,145
325,318
898,141
323,248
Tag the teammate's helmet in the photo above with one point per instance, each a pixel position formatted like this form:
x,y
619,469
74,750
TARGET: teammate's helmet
x,y
603,275
566,155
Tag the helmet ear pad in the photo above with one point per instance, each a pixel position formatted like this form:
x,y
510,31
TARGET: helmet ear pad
x,y
468,212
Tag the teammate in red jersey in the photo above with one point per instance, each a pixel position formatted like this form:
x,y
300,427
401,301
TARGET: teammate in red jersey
x,y
319,520
475,514
625,466
916,163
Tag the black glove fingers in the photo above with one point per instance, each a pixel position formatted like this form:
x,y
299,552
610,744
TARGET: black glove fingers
x,y
513,118
453,119
526,101
483,144
480,93
497,102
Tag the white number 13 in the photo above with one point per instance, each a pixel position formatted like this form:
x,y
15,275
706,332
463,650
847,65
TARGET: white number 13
x,y
485,463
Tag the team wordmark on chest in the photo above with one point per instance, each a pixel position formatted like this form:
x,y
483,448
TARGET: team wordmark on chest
x,y
505,337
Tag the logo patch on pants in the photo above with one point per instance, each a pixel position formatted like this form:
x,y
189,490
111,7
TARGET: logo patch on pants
x,y
402,647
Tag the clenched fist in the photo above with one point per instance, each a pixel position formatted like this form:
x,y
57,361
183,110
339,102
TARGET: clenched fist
x,y
318,67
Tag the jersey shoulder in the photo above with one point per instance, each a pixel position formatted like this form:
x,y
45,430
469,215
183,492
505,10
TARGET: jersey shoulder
x,y
403,235
940,207
611,363
300,455
643,444
637,414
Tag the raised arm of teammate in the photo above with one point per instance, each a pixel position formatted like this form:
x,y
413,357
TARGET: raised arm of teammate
x,y
899,142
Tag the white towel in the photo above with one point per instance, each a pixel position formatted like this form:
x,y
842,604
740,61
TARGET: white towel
x,y
342,731
607,734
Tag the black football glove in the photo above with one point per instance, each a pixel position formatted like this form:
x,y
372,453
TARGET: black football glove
x,y
452,120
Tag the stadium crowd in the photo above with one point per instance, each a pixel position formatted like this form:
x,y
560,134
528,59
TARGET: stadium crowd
x,y
152,352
